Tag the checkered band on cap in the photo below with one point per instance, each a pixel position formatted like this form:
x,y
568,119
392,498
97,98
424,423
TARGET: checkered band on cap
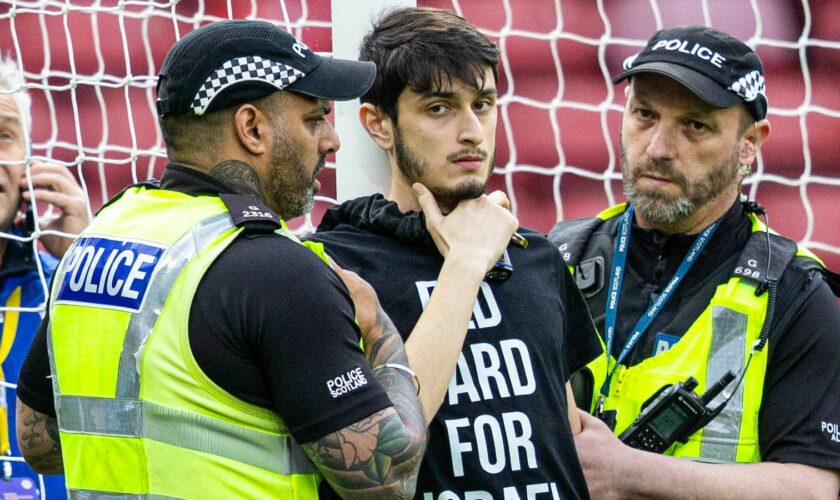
x,y
241,69
749,86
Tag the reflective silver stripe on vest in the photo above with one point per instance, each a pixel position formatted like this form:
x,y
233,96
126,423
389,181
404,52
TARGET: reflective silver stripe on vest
x,y
143,322
727,352
110,495
144,419
126,416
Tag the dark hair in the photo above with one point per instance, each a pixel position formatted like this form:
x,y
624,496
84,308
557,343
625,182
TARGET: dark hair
x,y
196,139
187,137
424,49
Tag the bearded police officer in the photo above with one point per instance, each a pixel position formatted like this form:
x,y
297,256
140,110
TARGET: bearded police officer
x,y
196,348
686,281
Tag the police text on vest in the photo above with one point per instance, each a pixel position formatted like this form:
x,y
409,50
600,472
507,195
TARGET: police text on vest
x,y
103,272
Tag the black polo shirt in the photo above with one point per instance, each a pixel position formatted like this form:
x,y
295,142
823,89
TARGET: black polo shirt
x,y
270,323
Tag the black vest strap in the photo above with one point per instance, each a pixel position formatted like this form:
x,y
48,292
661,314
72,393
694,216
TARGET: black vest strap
x,y
571,237
782,252
833,280
251,215
753,259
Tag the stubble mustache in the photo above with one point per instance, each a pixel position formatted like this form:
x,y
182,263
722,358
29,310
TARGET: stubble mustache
x,y
322,162
662,169
478,152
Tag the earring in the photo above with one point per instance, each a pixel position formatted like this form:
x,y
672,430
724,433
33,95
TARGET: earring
x,y
745,170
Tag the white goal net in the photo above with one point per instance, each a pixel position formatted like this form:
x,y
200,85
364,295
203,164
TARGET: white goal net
x,y
91,65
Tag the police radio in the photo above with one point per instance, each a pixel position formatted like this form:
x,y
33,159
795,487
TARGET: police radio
x,y
673,414
503,268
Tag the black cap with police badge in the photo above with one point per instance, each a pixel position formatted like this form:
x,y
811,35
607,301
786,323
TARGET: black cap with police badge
x,y
720,69
232,62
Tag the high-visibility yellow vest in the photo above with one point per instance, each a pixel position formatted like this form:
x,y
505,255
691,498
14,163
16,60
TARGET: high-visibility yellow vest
x,y
719,340
136,414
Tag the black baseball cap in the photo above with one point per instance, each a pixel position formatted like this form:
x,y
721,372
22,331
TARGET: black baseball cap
x,y
231,62
719,68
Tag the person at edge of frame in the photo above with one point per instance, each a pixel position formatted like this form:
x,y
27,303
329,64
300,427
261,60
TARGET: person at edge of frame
x,y
494,370
195,348
685,280
21,282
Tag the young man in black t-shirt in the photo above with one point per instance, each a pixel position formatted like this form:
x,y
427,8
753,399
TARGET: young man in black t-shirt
x,y
493,371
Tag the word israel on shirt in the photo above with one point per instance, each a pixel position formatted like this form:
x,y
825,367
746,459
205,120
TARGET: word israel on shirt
x,y
520,492
109,273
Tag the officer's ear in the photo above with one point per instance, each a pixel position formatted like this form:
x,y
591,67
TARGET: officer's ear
x,y
378,125
253,129
751,141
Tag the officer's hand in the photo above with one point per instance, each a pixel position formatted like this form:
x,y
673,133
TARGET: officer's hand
x,y
602,456
479,229
55,185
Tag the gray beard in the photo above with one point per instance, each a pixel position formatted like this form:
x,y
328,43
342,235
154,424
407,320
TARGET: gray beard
x,y
657,209
662,211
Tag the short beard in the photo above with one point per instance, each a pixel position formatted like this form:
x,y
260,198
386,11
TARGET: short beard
x,y
412,166
657,208
290,189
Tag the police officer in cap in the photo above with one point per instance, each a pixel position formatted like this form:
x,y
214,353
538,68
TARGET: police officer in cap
x,y
196,348
685,280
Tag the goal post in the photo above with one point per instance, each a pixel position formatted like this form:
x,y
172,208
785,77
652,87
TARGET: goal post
x,y
363,166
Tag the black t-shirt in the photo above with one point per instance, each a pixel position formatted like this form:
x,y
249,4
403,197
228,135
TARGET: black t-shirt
x,y
800,404
270,324
502,429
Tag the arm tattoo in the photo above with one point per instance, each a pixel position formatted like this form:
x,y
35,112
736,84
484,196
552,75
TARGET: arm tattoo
x,y
240,177
388,348
51,426
373,455
378,456
39,441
